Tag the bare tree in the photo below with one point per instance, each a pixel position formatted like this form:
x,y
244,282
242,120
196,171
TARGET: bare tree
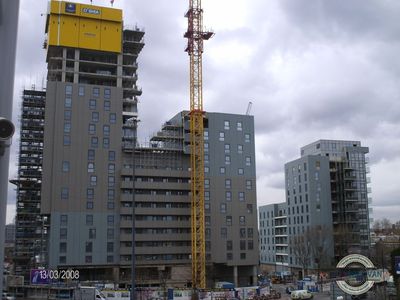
x,y
301,250
312,248
386,226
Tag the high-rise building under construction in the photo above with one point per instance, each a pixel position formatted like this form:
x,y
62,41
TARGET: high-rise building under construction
x,y
90,181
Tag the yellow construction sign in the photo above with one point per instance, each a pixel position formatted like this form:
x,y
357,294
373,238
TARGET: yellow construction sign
x,y
85,26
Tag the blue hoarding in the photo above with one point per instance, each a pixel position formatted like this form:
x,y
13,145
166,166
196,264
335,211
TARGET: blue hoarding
x,y
397,264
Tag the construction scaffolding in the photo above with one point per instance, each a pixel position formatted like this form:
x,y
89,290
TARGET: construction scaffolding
x,y
31,227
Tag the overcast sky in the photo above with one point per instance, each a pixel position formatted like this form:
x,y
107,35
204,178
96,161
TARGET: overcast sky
x,y
314,69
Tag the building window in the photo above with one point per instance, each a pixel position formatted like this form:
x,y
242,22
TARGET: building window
x,y
68,89
206,159
106,130
67,115
111,155
110,205
206,196
249,232
229,245
64,193
240,149
239,126
95,116
89,193
110,220
63,233
90,167
206,183
67,127
110,247
206,169
91,154
63,247
206,147
228,220
89,205
227,148
62,260
63,220
89,220
222,170
68,102
228,183
223,208
224,232
242,255
248,161
250,208
94,141
227,160
96,92
113,118
110,233
89,247
242,220
241,196
242,233
226,125
228,196
111,181
92,233
106,143
207,220
111,168
207,233
92,128
248,184
67,140
222,136
111,194
240,171
207,207
242,245
107,105
65,166
93,180
247,138
110,258
92,104
206,135
88,259
107,93
81,91
229,256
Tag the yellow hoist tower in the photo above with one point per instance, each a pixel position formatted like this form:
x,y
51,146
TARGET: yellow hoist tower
x,y
196,35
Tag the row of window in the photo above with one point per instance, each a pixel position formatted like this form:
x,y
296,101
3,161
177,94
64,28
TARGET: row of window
x,y
242,245
223,208
88,259
81,91
92,103
228,196
92,233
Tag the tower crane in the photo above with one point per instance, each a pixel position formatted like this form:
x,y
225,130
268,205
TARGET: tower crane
x,y
196,35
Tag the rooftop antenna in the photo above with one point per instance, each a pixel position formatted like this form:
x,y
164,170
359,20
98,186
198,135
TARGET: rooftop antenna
x,y
249,108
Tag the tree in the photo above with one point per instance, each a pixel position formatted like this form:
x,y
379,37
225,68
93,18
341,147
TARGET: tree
x,y
313,248
301,250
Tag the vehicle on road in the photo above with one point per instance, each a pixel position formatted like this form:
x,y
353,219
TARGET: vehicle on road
x,y
301,294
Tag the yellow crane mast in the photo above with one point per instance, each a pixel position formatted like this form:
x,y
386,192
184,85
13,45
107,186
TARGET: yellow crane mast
x,y
196,35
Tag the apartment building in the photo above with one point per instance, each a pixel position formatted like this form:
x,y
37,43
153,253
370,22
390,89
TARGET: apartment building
x,y
93,170
326,200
